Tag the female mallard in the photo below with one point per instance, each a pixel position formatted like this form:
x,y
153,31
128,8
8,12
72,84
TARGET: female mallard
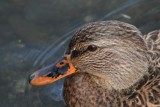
x,y
113,66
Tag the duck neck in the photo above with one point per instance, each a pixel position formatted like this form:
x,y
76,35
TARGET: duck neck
x,y
84,89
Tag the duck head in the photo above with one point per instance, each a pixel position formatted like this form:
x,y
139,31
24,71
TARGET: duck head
x,y
111,51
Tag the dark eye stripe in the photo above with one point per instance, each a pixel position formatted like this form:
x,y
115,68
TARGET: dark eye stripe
x,y
77,53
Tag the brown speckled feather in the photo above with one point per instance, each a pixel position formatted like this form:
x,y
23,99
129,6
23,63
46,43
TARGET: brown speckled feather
x,y
83,91
153,43
146,92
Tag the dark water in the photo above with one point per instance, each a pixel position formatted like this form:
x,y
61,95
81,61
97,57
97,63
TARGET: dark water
x,y
35,33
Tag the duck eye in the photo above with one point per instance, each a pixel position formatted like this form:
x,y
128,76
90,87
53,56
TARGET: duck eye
x,y
92,48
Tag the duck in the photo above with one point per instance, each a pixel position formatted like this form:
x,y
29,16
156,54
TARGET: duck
x,y
108,64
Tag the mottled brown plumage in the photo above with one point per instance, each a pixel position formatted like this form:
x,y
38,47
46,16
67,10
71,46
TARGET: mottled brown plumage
x,y
122,72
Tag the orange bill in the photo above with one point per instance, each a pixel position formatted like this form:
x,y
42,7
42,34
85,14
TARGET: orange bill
x,y
52,73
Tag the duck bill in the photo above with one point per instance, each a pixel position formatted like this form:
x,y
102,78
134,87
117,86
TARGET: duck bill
x,y
53,72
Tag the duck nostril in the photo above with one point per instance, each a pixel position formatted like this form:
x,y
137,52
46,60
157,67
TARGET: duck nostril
x,y
31,77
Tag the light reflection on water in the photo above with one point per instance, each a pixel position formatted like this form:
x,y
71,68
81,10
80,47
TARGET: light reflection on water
x,y
27,44
56,93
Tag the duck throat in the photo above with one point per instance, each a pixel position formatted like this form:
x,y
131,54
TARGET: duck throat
x,y
81,90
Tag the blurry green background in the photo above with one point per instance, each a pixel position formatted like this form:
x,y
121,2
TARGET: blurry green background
x,y
35,33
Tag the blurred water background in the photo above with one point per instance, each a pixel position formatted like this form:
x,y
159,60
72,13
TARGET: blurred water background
x,y
35,33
